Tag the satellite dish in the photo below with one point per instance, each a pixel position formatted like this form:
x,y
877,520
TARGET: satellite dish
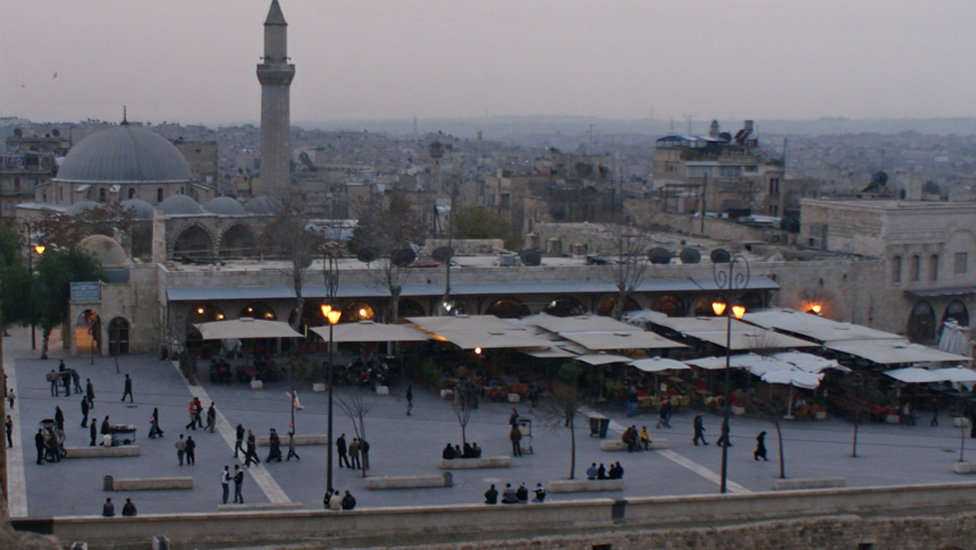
x,y
442,254
530,257
56,132
402,257
690,256
659,256
368,254
720,256
18,132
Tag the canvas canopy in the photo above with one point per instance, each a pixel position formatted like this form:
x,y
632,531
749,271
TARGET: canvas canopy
x,y
245,327
490,339
814,327
914,375
461,322
638,339
602,358
809,362
893,352
793,377
579,323
368,331
658,364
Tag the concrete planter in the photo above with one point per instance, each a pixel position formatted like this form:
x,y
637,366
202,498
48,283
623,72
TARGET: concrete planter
x,y
318,387
960,422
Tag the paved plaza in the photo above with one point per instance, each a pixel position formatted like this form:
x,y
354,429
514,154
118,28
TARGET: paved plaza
x,y
411,445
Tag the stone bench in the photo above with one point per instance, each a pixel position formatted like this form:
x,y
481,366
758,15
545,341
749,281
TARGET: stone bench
x,y
614,446
147,483
300,439
585,485
410,482
964,467
101,452
809,483
471,463
258,506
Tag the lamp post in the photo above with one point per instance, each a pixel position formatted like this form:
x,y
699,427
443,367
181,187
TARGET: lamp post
x,y
331,271
736,278
39,249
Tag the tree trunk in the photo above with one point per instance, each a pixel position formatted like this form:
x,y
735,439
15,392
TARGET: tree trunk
x,y
854,443
46,336
300,302
782,462
572,448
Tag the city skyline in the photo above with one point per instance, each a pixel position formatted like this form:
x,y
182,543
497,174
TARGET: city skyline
x,y
194,62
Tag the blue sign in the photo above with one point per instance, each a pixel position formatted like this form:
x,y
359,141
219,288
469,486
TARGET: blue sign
x,y
86,292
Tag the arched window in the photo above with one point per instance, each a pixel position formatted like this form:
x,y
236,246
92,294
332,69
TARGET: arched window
x,y
957,311
607,307
914,265
896,269
132,193
409,308
669,305
566,306
508,308
258,310
934,267
159,195
454,306
357,311
921,323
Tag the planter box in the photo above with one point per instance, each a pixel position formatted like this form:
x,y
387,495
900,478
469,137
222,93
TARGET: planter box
x,y
820,415
318,387
960,422
447,394
514,398
893,419
257,385
382,390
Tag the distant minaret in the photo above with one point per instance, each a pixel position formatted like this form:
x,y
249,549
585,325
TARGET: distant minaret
x,y
275,76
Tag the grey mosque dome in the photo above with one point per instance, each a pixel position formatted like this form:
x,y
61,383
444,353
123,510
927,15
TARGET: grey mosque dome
x,y
124,154
180,204
79,208
225,206
264,204
108,252
140,208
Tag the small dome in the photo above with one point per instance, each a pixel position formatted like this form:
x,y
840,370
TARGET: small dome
x,y
225,206
180,204
264,204
124,154
142,209
105,249
79,208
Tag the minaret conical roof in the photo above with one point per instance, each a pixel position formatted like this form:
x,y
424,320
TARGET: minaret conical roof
x,y
275,16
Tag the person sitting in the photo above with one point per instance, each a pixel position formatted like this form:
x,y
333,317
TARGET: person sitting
x,y
475,450
591,472
508,495
467,452
522,493
491,495
129,509
645,438
448,453
108,509
612,473
540,493
601,472
348,501
620,471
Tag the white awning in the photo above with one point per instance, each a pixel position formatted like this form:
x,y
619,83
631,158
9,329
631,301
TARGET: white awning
x,y
368,331
637,339
245,327
914,375
461,322
793,377
490,339
815,327
602,358
658,364
893,352
809,362
579,323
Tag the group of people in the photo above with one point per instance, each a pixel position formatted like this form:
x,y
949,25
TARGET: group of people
x,y
337,500
600,472
349,455
65,377
470,450
511,495
636,440
195,409
238,478
128,509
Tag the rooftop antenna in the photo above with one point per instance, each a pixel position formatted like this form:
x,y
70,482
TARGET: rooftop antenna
x,y
689,118
125,119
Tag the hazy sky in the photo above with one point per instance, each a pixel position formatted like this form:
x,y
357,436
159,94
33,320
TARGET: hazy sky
x,y
193,61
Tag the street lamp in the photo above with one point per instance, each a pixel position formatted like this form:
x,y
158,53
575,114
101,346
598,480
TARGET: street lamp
x,y
330,268
30,266
736,278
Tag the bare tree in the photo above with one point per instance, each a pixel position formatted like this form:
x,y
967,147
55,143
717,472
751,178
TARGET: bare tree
x,y
299,367
563,405
466,390
629,244
857,390
770,402
290,237
356,408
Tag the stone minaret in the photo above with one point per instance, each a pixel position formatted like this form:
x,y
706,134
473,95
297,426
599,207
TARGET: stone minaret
x,y
275,75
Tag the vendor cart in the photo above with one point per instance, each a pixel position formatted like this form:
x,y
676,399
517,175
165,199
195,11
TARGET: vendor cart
x,y
525,426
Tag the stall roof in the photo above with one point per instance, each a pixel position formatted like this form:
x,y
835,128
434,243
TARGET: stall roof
x,y
815,327
579,323
245,327
658,364
602,358
368,331
893,352
753,339
620,340
490,339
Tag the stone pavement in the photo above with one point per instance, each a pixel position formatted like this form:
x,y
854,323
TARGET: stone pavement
x,y
411,445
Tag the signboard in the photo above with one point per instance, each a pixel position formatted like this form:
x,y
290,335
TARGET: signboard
x,y
86,292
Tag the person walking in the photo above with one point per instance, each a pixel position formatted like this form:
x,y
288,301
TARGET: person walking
x,y
212,417
55,381
665,414
128,388
515,435
354,453
39,444
699,424
59,419
291,448
239,442
760,451
409,399
251,454
9,425
76,380
93,430
180,448
154,429
274,442
341,449
90,393
193,408
84,412
225,483
191,447
238,482
723,440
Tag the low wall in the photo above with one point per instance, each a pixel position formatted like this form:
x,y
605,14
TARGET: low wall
x,y
147,483
441,524
473,463
99,451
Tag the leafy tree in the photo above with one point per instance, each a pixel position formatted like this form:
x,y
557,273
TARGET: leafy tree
x,y
9,246
57,229
478,222
56,271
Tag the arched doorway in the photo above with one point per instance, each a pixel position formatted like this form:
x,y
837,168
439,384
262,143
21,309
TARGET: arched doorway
x,y
752,301
702,306
957,311
88,332
311,316
193,241
606,308
118,336
921,323
258,310
237,242
565,306
357,311
670,305
409,308
454,306
508,308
